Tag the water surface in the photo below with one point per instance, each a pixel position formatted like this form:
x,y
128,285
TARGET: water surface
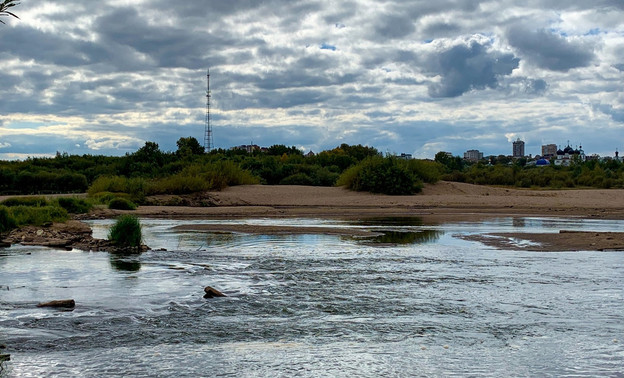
x,y
417,302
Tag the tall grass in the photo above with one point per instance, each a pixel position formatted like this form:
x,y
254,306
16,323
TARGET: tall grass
x,y
194,178
25,201
121,204
38,216
126,232
74,205
7,222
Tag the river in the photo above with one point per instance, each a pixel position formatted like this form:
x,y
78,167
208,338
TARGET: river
x,y
419,301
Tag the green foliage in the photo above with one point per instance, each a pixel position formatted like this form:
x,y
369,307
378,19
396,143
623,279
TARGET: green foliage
x,y
381,175
429,171
188,147
280,149
38,216
7,222
74,205
297,179
134,187
126,232
121,204
452,163
25,201
103,198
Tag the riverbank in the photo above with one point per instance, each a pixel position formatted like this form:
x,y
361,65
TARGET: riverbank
x,y
439,203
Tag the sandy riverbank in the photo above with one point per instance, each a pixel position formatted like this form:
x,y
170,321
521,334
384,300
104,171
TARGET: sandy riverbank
x,y
442,202
439,203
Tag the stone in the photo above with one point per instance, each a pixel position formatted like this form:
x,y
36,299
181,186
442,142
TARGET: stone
x,y
62,303
212,292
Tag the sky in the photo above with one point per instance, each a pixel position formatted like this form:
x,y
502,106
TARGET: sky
x,y
103,77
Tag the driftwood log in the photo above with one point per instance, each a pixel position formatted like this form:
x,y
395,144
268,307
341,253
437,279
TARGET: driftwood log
x,y
62,303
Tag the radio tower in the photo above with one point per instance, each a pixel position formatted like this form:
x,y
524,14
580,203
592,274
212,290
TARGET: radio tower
x,y
208,129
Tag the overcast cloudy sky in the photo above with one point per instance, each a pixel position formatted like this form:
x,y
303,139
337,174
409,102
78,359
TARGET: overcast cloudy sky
x,y
103,77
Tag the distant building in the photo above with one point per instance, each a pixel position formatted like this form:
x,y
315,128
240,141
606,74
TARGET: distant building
x,y
549,150
566,156
473,155
405,156
518,148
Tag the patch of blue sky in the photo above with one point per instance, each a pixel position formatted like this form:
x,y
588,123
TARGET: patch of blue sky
x,y
327,46
595,31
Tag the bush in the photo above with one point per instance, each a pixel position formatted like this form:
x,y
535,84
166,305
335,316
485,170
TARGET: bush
x,y
38,216
297,179
74,205
381,175
126,232
25,201
104,198
121,204
135,188
429,171
7,222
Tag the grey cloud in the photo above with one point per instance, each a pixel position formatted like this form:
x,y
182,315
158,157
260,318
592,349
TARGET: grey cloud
x,y
466,67
440,29
548,50
393,26
619,66
617,114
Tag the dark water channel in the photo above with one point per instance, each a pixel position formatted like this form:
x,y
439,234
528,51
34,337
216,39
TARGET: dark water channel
x,y
418,301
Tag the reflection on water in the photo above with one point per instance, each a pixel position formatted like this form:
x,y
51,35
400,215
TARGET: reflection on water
x,y
128,263
421,303
391,221
403,237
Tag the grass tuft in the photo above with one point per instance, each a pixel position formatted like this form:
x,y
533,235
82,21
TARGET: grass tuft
x,y
126,232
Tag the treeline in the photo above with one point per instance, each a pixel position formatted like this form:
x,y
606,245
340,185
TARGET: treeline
x,y
150,171
508,172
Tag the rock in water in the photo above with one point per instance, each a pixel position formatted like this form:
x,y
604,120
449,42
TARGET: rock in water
x,y
212,292
62,303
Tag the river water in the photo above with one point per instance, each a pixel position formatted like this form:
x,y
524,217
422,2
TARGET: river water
x,y
419,301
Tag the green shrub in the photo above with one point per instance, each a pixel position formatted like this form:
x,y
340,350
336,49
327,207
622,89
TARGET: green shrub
x,y
135,187
38,216
74,205
7,222
121,204
25,201
297,179
104,198
126,232
429,171
381,175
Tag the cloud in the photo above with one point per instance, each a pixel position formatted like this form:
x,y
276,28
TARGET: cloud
x,y
549,50
393,26
617,114
5,144
466,66
406,76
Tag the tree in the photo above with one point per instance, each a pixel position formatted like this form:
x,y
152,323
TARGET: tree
x,y
189,146
5,6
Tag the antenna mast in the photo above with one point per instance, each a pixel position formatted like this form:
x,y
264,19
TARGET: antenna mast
x,y
208,129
